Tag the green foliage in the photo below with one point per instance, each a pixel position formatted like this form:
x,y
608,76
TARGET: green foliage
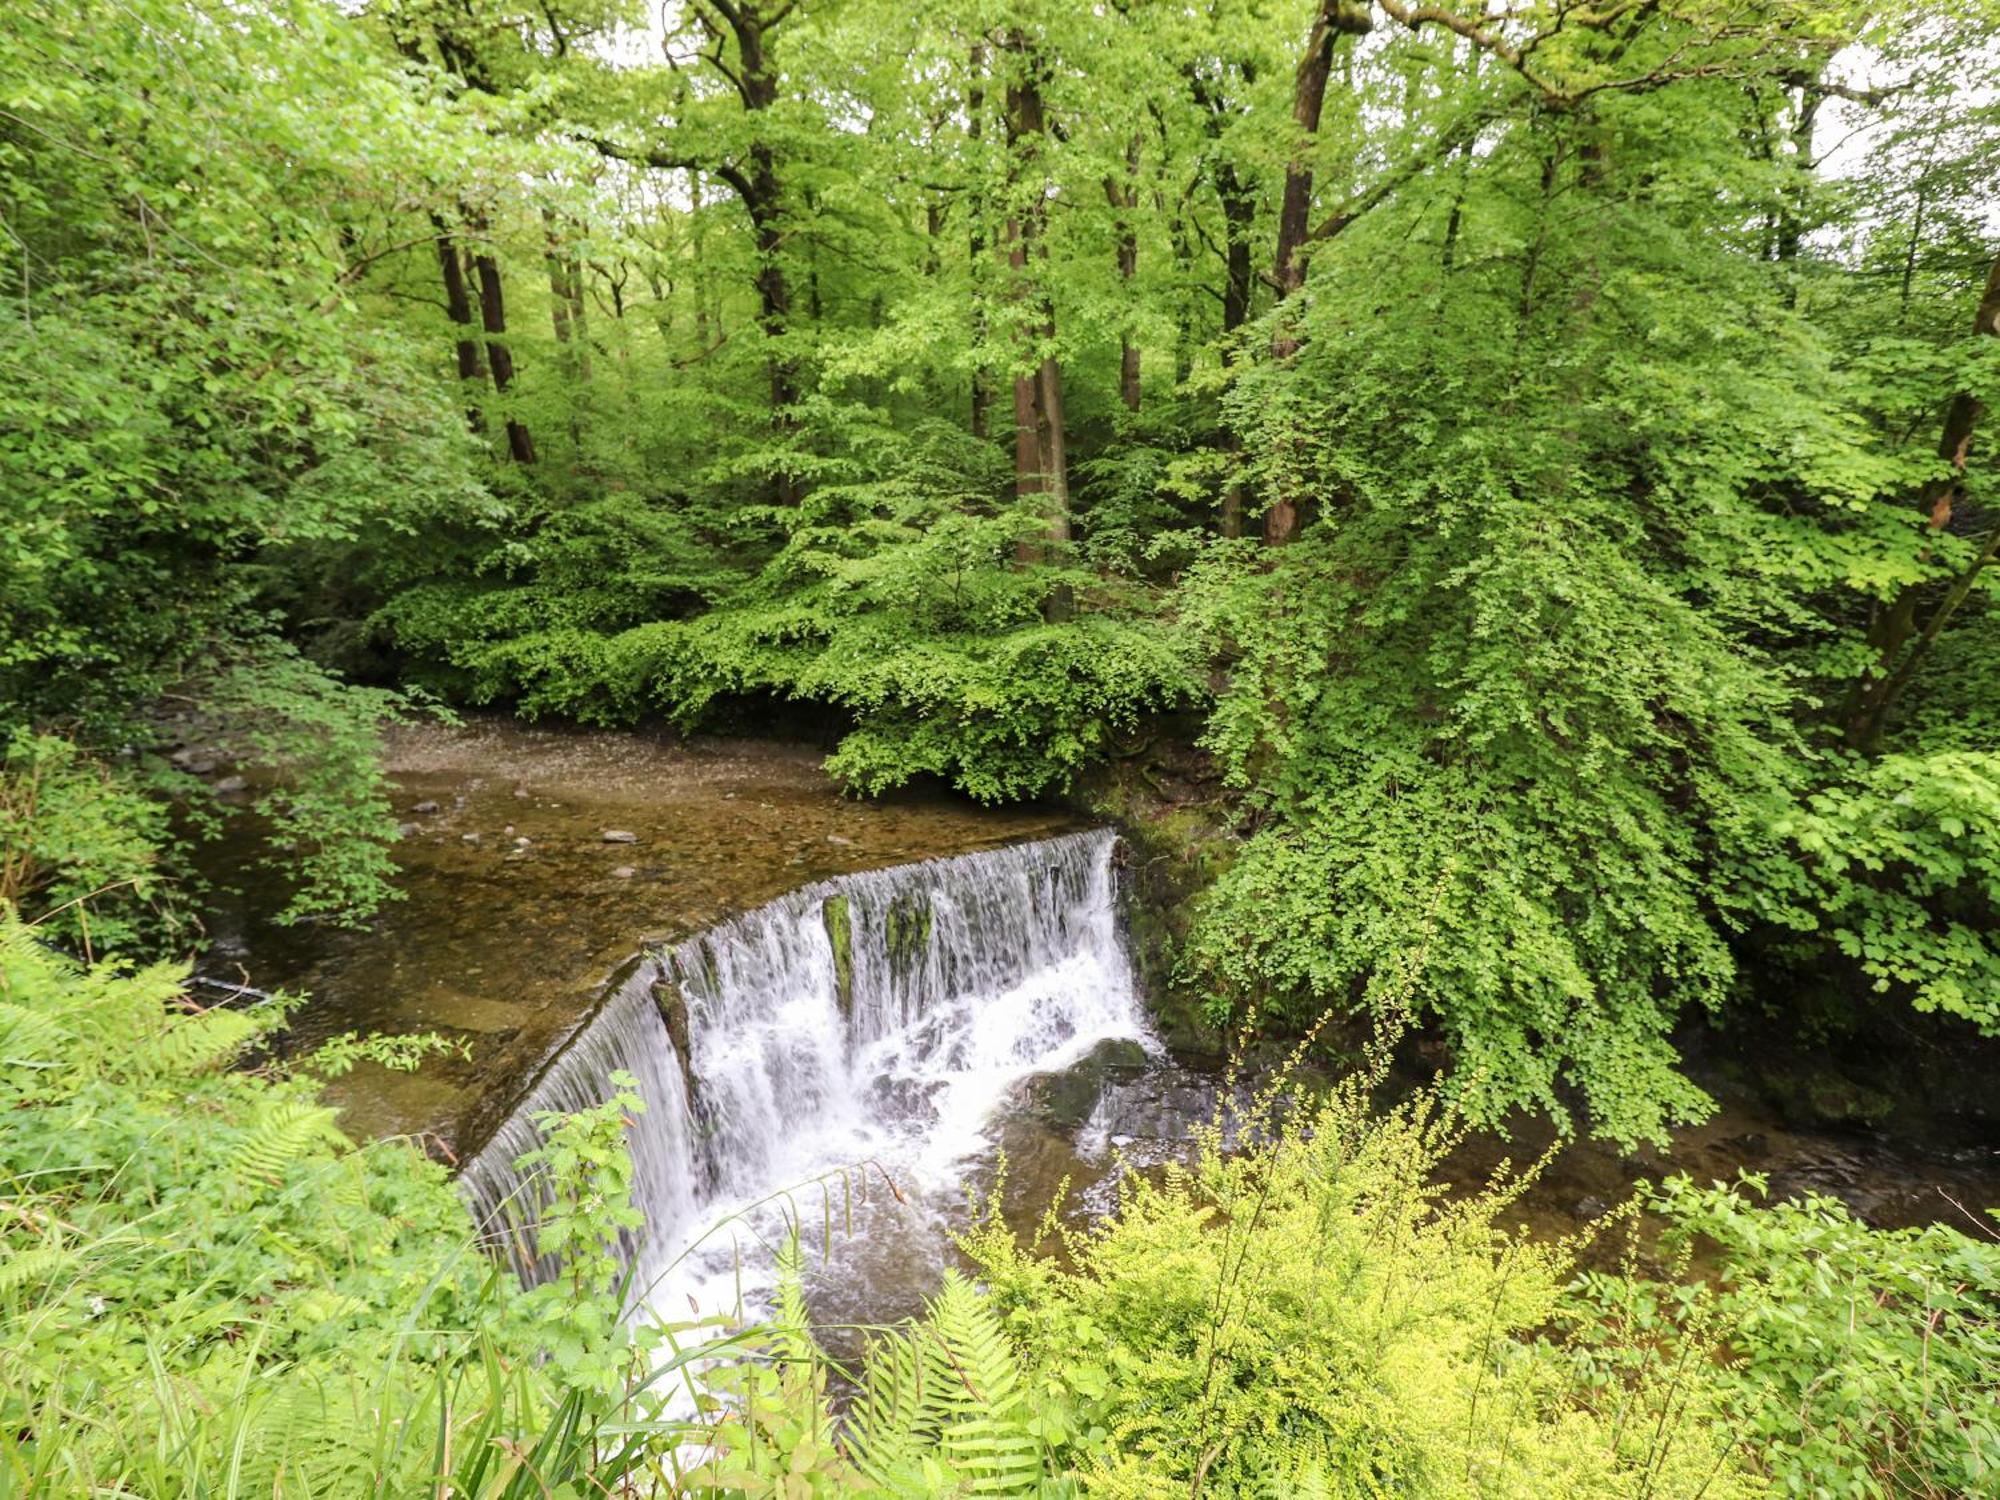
x,y
588,1206
892,600
204,1278
206,1289
1607,404
182,398
944,1408
1514,724
314,743
466,347
1902,866
1864,1362
79,846
91,847
1305,1312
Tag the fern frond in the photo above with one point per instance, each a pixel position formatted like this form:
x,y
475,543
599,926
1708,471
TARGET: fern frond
x,y
197,1043
27,1267
29,1036
948,1390
283,1131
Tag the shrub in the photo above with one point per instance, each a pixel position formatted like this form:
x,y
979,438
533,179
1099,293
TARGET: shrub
x,y
1311,1315
1863,1362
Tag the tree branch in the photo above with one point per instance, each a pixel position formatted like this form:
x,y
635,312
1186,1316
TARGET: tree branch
x,y
1389,182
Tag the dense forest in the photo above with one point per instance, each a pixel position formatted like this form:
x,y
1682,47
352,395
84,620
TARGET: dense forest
x,y
1501,488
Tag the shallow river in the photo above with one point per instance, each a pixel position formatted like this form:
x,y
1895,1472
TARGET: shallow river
x,y
796,1015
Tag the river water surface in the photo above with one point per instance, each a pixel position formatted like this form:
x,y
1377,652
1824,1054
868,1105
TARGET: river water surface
x,y
841,1014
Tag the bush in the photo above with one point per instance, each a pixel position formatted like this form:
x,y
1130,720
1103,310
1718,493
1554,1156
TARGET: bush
x,y
1310,1315
1864,1362
80,848
206,1288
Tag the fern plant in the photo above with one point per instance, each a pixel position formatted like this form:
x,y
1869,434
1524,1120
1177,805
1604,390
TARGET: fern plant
x,y
944,1409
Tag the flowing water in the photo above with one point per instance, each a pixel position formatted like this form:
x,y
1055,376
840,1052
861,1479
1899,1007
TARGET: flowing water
x,y
876,1021
517,903
912,988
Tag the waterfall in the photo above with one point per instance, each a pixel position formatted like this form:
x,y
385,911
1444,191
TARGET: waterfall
x,y
880,1017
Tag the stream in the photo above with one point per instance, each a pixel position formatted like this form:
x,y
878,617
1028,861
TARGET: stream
x,y
840,1014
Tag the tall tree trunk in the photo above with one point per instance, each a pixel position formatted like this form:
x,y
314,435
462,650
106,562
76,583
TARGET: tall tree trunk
x,y
977,236
757,183
458,306
704,335
1124,199
1053,444
568,313
1900,646
499,358
1239,216
759,190
1041,468
1333,19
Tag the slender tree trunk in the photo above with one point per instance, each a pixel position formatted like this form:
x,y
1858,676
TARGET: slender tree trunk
x,y
977,237
1795,202
1239,217
703,333
1041,467
1910,255
568,313
458,306
756,181
1124,201
1052,444
1185,333
1333,19
499,358
1900,646
1455,220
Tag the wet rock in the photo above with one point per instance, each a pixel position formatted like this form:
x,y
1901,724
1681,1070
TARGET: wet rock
x,y
1119,1052
840,933
522,841
426,808
905,1098
404,830
1823,1095
620,836
448,1007
1590,1206
1067,1099
673,1008
623,872
230,785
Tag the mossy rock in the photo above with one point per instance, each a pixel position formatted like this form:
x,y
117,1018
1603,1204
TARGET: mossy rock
x,y
836,913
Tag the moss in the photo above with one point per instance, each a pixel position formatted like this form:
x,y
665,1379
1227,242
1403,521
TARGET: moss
x,y
1172,854
906,931
840,933
673,1007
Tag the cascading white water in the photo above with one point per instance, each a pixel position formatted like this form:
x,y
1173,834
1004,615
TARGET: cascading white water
x,y
879,1017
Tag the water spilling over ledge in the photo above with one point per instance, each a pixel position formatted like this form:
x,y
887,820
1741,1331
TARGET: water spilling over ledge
x,y
877,1017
